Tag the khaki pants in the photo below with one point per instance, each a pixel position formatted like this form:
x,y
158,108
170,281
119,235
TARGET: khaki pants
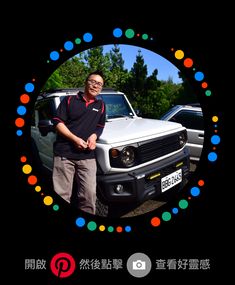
x,y
84,171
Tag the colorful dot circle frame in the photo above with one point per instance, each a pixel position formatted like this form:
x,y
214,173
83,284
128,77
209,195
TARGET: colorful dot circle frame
x,y
71,46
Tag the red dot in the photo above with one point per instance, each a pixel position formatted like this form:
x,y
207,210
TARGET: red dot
x,y
19,122
204,85
119,229
201,182
188,62
23,159
32,179
24,98
155,222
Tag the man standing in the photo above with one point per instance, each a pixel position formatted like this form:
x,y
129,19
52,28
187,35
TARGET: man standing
x,y
79,122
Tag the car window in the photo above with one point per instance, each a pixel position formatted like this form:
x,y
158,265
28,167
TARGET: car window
x,y
189,119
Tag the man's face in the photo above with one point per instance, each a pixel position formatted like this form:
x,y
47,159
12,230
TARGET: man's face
x,y
94,85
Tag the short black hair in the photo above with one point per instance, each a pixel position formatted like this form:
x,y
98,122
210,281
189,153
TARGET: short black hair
x,y
96,72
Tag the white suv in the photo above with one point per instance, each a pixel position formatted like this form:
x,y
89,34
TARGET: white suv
x,y
137,158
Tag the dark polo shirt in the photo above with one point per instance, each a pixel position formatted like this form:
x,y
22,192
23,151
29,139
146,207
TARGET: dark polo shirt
x,y
82,118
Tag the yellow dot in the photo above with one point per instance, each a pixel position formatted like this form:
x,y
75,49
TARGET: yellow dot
x,y
215,119
38,188
179,54
101,228
48,200
27,168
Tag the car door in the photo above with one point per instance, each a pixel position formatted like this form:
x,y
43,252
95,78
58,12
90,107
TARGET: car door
x,y
45,111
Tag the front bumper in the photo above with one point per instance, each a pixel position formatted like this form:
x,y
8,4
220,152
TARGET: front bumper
x,y
141,184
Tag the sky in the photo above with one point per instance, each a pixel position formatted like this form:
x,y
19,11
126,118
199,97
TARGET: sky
x,y
153,61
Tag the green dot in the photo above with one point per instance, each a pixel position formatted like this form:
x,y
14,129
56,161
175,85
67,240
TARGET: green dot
x,y
78,41
91,226
166,216
208,93
183,204
145,36
55,207
110,229
129,33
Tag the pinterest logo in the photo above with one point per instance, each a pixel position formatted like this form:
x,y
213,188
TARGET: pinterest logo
x,y
62,265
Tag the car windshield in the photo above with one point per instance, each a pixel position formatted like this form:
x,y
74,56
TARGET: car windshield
x,y
116,106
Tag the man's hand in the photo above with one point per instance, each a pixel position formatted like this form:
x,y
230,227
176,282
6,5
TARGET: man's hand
x,y
91,141
80,143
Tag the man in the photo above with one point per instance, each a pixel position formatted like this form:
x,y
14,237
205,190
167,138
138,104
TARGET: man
x,y
79,122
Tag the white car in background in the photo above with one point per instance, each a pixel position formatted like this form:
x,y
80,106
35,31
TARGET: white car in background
x,y
191,117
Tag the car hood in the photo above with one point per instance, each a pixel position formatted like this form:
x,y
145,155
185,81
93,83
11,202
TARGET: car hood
x,y
136,129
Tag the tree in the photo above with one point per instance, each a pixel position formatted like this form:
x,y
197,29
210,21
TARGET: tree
x,y
73,72
54,81
118,75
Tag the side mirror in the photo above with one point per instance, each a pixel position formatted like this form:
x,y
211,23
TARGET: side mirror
x,y
45,126
138,112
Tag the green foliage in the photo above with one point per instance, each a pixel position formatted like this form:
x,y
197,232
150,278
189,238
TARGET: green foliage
x,y
146,93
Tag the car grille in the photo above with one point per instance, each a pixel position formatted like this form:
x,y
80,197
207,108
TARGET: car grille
x,y
159,147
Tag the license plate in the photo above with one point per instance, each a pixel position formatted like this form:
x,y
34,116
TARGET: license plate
x,y
171,180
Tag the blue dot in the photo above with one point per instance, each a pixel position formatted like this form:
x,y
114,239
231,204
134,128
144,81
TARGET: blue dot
x,y
29,87
215,126
127,229
215,139
21,110
212,156
117,33
195,191
54,55
175,211
80,222
199,76
87,37
19,133
68,45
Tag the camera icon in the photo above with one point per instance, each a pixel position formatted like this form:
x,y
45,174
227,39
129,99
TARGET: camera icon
x,y
139,265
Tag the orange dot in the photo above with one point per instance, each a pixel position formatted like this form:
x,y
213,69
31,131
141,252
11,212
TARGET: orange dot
x,y
23,159
201,182
188,62
214,148
61,50
32,179
119,229
216,131
155,222
204,85
189,198
33,79
24,98
172,49
19,122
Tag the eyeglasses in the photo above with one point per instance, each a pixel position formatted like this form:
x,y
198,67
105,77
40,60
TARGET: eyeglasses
x,y
94,82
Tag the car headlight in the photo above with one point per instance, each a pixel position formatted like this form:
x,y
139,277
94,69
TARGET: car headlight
x,y
128,156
